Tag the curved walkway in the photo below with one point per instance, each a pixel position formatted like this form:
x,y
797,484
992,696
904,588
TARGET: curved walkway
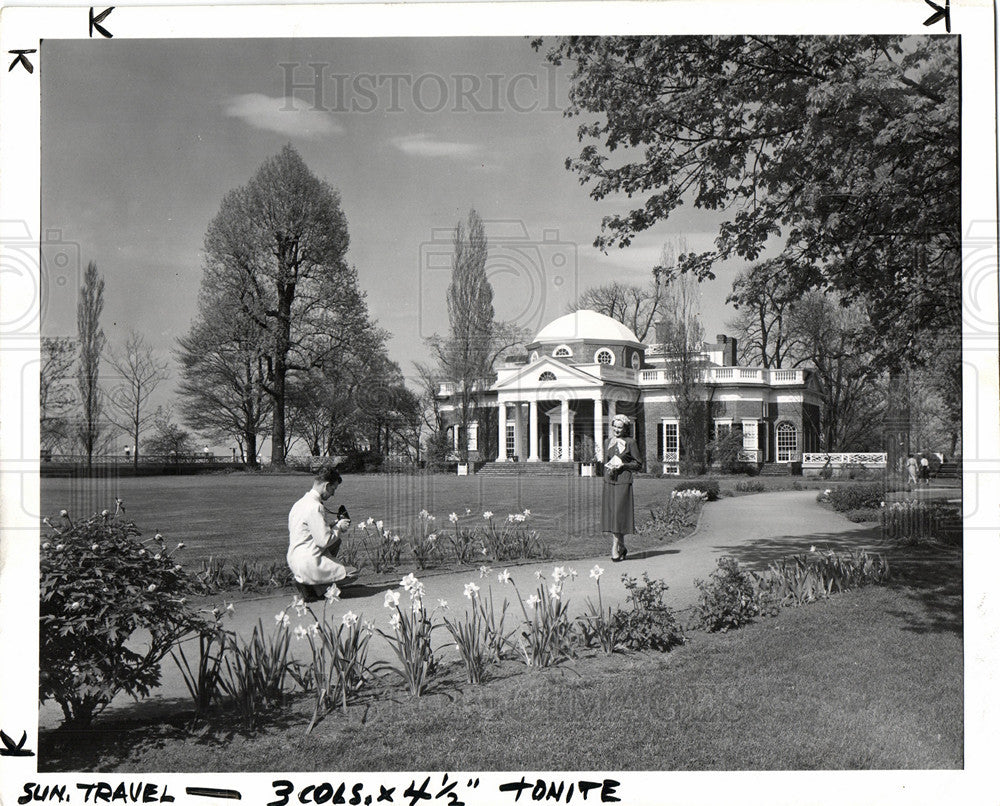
x,y
753,528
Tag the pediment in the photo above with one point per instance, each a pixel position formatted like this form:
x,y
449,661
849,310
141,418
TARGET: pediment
x,y
565,375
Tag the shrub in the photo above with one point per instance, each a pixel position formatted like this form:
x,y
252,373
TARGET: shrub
x,y
679,512
749,487
100,582
914,522
648,623
863,515
222,573
846,497
816,575
708,486
725,452
728,599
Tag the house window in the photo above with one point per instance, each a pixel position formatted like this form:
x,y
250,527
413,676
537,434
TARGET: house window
x,y
603,356
722,428
562,351
473,441
511,440
547,376
670,441
787,438
750,435
636,362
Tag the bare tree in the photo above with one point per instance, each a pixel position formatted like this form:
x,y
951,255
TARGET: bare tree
x,y
139,373
764,298
222,362
679,336
55,390
91,342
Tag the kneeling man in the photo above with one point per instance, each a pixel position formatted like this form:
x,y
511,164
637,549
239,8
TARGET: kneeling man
x,y
313,543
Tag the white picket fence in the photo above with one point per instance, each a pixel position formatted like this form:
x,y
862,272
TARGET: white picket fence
x,y
820,460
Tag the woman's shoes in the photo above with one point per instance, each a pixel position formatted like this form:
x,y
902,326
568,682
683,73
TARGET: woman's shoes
x,y
620,557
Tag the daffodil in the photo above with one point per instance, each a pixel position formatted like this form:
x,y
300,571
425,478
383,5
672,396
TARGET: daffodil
x,y
350,619
151,588
532,600
487,515
395,620
443,604
484,571
333,592
391,599
282,619
453,517
408,582
596,571
504,578
300,632
471,590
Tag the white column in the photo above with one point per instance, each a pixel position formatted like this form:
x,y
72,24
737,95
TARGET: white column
x,y
598,428
519,431
502,424
532,430
566,456
552,441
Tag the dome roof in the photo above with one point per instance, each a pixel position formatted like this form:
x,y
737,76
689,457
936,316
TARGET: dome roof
x,y
585,324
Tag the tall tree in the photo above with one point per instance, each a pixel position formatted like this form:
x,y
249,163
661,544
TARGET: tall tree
x,y
91,341
139,372
842,150
55,391
831,341
466,356
222,367
279,243
679,337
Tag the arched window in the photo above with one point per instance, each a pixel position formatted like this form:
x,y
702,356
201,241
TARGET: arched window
x,y
604,356
562,351
547,376
787,439
534,355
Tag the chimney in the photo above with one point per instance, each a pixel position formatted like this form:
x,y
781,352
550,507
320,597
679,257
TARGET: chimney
x,y
728,344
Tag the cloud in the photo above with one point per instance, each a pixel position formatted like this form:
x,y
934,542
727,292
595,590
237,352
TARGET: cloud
x,y
291,117
423,145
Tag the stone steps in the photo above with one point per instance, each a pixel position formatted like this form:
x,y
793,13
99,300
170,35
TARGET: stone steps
x,y
775,469
507,469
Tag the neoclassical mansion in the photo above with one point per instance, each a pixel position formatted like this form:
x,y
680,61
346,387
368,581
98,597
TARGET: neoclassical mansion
x,y
585,367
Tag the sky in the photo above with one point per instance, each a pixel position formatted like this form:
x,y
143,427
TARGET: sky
x,y
141,140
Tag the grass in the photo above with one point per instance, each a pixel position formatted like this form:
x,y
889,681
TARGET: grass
x,y
870,679
245,516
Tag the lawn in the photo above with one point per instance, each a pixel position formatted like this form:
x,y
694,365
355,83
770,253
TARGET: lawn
x,y
237,515
870,679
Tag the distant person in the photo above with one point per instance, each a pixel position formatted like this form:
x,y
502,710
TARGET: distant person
x,y
911,469
925,469
621,459
313,543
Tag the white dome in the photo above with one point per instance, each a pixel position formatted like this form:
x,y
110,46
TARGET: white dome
x,y
589,325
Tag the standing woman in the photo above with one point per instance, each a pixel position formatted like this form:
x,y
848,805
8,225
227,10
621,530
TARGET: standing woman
x,y
621,459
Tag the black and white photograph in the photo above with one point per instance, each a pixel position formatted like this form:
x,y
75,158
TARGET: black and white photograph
x,y
421,402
